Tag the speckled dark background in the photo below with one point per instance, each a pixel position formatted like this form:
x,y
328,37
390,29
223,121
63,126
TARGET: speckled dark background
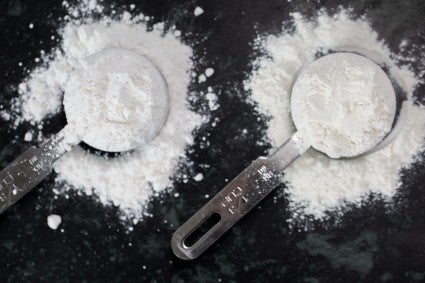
x,y
375,243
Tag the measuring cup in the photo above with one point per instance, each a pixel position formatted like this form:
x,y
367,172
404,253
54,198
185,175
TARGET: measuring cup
x,y
264,174
35,164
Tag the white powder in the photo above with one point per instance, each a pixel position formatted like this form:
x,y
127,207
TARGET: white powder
x,y
28,137
127,181
315,182
209,72
118,100
53,221
198,177
212,100
343,104
202,78
198,11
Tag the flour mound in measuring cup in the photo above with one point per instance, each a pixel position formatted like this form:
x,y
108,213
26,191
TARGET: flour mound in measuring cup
x,y
110,100
343,104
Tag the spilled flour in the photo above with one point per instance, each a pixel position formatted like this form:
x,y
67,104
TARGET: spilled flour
x,y
130,179
315,183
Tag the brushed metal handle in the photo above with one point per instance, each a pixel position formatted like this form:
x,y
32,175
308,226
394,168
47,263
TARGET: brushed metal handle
x,y
232,203
29,169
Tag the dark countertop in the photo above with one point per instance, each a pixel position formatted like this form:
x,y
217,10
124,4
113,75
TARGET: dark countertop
x,y
376,242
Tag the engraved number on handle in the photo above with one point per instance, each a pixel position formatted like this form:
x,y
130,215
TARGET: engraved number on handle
x,y
234,200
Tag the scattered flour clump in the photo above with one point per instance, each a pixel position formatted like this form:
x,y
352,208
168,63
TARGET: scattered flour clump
x,y
53,221
198,11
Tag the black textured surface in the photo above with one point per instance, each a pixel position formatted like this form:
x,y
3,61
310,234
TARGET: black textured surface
x,y
373,243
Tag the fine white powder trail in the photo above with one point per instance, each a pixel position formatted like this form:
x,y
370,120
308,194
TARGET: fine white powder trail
x,y
315,183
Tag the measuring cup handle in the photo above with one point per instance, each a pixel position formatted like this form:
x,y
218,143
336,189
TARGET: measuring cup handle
x,y
28,170
235,200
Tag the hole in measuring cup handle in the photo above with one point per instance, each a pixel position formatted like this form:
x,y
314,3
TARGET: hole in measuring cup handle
x,y
202,229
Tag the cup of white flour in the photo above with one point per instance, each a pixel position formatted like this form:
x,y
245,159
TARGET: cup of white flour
x,y
117,101
342,104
